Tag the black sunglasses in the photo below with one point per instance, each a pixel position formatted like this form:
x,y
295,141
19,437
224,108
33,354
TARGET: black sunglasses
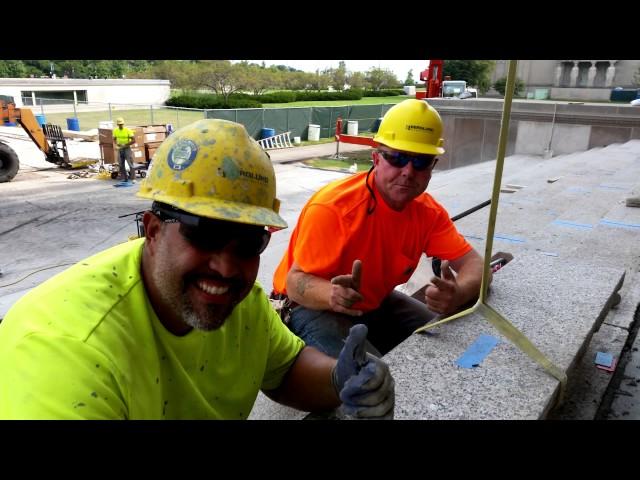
x,y
214,235
400,159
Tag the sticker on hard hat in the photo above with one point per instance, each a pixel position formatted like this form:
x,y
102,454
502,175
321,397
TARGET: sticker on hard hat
x,y
419,127
182,154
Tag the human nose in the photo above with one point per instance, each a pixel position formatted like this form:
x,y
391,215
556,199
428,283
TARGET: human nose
x,y
408,169
225,261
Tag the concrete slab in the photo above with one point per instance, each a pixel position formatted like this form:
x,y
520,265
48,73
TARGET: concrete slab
x,y
547,300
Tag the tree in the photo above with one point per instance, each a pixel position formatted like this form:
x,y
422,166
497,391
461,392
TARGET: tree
x,y
339,76
318,81
12,69
501,86
257,79
356,80
474,72
409,80
378,78
221,76
181,73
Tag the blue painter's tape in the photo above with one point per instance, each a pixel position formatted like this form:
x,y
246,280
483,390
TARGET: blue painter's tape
x,y
583,226
610,223
477,351
604,359
508,239
612,187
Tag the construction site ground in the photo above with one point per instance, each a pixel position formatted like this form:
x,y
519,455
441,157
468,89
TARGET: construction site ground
x,y
574,241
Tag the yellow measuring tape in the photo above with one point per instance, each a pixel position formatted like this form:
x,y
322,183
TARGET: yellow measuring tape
x,y
505,327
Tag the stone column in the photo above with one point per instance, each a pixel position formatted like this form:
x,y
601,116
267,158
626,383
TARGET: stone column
x,y
611,71
558,77
591,75
574,75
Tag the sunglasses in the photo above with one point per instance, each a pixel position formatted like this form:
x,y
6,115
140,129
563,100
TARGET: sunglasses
x,y
211,235
400,159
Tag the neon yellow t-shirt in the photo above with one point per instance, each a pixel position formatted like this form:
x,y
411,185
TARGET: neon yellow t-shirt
x,y
122,135
87,344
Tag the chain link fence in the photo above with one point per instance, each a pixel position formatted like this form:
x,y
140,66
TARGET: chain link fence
x,y
87,116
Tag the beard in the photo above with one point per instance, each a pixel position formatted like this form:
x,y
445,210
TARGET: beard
x,y
204,317
211,317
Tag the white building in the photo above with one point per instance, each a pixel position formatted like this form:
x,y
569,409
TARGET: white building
x,y
29,92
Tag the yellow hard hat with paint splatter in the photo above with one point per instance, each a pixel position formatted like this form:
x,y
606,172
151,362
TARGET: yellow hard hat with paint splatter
x,y
214,169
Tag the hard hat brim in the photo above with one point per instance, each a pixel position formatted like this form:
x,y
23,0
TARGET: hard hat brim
x,y
222,210
412,147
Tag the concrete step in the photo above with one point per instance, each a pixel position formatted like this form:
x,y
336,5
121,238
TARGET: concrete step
x,y
556,303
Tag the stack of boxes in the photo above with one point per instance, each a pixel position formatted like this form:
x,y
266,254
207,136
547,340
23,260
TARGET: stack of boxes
x,y
109,152
154,135
147,139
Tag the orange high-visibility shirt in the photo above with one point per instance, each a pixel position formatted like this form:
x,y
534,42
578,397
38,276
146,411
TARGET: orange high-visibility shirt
x,y
334,229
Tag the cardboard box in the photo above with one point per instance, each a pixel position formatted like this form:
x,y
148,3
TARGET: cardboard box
x,y
138,155
150,152
152,145
155,129
105,136
110,155
154,137
107,154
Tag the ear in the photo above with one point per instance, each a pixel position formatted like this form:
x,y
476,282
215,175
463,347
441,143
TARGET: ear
x,y
152,228
375,156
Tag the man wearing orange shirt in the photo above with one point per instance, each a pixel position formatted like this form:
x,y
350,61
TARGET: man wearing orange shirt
x,y
359,237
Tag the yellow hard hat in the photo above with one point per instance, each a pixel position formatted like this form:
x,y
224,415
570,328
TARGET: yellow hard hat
x,y
214,169
412,126
120,121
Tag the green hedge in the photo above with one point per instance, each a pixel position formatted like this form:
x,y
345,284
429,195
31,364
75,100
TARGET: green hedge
x,y
243,100
277,97
308,95
208,101
382,93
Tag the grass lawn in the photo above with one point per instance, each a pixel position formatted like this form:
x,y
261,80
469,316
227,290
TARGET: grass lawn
x,y
361,158
132,118
180,118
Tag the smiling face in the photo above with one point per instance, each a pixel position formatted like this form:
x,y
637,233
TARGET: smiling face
x,y
398,185
188,286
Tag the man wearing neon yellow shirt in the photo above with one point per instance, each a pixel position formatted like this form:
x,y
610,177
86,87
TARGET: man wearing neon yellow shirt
x,y
124,138
173,325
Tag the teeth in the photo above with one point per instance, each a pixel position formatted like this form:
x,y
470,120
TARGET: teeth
x,y
212,290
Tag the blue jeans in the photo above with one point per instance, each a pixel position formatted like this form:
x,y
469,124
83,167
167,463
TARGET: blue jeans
x,y
393,321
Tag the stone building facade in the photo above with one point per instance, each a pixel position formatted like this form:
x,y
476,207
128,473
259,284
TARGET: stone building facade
x,y
583,80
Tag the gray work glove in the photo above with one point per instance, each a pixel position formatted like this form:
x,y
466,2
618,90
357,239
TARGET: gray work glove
x,y
362,381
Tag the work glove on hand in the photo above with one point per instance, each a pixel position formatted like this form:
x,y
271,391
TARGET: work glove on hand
x,y
362,381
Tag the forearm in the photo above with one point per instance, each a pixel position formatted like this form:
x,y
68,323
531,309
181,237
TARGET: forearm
x,y
309,290
308,385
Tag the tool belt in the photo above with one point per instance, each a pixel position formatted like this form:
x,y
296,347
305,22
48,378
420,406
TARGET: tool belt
x,y
283,305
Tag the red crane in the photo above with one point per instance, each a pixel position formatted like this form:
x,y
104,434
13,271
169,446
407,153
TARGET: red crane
x,y
432,78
